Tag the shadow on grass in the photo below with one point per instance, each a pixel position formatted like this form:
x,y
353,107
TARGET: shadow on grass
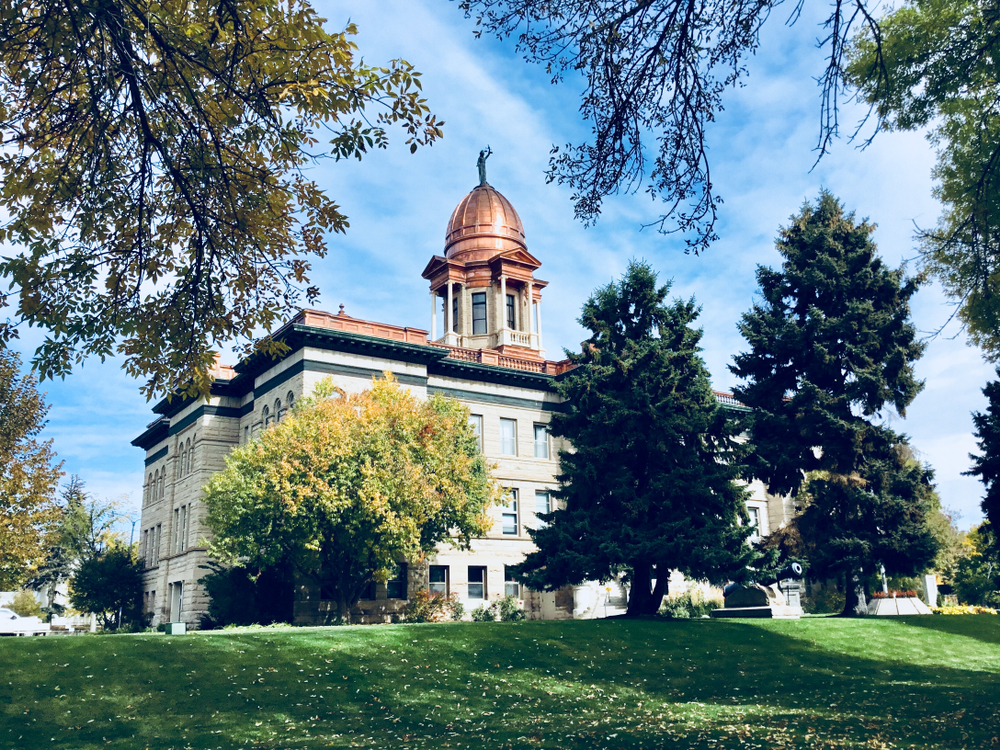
x,y
984,628
571,684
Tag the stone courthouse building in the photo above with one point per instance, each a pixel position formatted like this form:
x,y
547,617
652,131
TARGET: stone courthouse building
x,y
488,354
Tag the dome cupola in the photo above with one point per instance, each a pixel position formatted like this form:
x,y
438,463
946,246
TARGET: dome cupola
x,y
484,224
484,286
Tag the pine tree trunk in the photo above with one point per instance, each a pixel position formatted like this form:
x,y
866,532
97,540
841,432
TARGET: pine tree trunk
x,y
644,598
855,600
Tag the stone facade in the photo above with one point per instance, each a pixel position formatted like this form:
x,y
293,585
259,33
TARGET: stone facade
x,y
484,283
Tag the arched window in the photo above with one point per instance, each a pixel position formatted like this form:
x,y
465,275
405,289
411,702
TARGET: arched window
x,y
163,484
289,400
277,410
187,457
265,415
156,485
181,459
149,488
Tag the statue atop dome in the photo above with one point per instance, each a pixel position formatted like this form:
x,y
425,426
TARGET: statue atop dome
x,y
483,156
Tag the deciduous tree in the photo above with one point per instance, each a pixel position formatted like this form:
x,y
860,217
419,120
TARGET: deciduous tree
x,y
657,70
83,529
154,170
938,64
109,584
28,475
831,348
651,483
348,485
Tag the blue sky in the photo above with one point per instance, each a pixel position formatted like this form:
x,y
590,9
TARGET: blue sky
x,y
399,204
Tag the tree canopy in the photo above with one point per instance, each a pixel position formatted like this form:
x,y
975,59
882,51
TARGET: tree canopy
x,y
348,485
651,483
934,67
28,475
154,171
83,529
109,584
656,70
831,348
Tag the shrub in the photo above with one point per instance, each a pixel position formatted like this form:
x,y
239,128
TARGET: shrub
x,y
505,610
240,596
963,610
428,606
824,601
687,605
508,609
484,613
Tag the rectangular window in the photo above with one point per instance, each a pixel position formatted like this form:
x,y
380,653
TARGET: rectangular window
x,y
184,527
510,514
454,314
541,441
510,312
508,437
177,531
439,580
476,420
156,545
755,524
510,586
145,547
542,505
479,313
395,587
477,582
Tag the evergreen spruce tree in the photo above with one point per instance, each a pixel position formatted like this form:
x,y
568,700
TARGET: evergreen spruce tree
x,y
831,347
651,483
987,465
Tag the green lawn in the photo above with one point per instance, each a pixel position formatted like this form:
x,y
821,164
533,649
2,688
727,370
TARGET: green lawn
x,y
923,682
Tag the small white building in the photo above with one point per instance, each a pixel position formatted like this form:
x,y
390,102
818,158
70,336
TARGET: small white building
x,y
488,354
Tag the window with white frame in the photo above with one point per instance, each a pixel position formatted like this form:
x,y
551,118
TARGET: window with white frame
x,y
754,524
476,420
510,586
438,580
477,582
508,437
541,441
543,504
509,518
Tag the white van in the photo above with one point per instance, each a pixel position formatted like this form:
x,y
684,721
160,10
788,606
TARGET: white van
x,y
12,623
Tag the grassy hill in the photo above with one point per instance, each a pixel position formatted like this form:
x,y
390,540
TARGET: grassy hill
x,y
920,682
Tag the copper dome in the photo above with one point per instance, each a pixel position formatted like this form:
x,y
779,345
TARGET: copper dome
x,y
482,226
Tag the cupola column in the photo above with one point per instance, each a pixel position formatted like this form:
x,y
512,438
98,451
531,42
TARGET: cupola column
x,y
434,316
449,317
527,323
538,321
503,302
